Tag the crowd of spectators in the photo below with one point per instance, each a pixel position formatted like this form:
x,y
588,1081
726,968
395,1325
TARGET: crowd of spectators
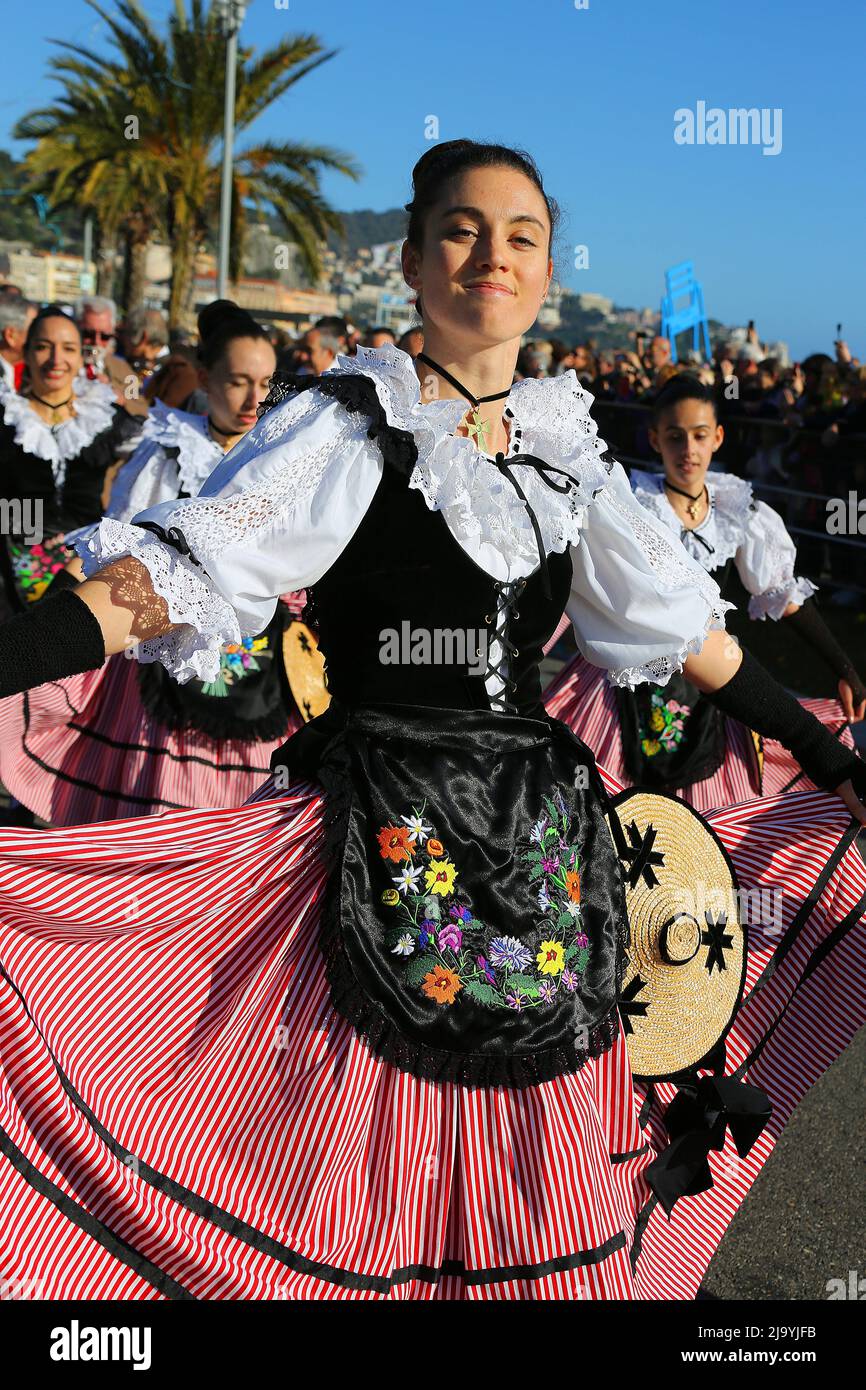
x,y
797,431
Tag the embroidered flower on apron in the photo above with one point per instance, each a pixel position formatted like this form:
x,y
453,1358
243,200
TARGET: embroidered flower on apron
x,y
450,954
237,660
667,721
34,566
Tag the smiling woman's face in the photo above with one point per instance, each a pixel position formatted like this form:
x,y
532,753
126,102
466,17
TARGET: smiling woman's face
x,y
484,268
54,356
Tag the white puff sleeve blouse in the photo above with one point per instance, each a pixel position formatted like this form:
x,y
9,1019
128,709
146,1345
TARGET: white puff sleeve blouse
x,y
279,508
765,561
639,602
271,518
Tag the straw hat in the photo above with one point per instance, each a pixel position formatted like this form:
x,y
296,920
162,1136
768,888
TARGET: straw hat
x,y
687,952
305,668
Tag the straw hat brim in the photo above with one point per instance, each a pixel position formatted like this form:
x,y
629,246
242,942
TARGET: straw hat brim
x,y
305,670
687,953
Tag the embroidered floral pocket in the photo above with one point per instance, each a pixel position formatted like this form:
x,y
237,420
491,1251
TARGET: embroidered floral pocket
x,y
667,726
237,661
34,566
450,955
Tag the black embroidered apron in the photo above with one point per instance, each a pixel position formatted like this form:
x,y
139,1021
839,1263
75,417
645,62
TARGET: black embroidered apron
x,y
474,926
249,699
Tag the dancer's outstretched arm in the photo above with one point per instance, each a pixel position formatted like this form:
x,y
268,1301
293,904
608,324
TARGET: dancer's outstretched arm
x,y
121,598
75,629
739,686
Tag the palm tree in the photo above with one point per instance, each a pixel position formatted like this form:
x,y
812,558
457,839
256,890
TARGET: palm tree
x,y
83,160
136,138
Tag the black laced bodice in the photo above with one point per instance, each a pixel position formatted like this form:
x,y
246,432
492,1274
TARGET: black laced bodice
x,y
403,575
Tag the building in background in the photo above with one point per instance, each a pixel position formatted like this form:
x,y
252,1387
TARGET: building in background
x,y
44,277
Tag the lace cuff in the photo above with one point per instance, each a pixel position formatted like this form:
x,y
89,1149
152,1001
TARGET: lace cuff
x,y
660,669
773,602
209,622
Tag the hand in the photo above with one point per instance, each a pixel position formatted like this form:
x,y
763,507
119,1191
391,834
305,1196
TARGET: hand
x,y
852,801
853,713
843,352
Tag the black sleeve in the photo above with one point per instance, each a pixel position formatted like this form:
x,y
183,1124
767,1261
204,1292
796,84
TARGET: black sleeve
x,y
61,580
758,701
811,627
56,637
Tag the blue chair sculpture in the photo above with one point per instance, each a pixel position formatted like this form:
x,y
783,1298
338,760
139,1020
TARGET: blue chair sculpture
x,y
680,282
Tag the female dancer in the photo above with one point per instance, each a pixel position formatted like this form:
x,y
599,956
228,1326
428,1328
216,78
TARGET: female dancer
x,y
673,738
237,1068
58,439
126,739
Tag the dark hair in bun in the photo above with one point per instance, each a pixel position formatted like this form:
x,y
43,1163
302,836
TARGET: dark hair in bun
x,y
454,157
219,324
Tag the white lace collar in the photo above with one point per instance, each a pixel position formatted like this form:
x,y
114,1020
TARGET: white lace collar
x,y
549,418
197,453
724,526
94,411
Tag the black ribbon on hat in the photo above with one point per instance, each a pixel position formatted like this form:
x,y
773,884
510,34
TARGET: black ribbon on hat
x,y
640,855
629,1005
718,941
696,1120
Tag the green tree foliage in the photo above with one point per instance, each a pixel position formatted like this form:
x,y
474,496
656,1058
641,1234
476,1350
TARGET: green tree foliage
x,y
136,138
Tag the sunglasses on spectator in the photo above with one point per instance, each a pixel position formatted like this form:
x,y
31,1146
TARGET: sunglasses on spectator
x,y
92,335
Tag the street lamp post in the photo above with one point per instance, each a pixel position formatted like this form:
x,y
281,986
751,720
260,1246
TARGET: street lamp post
x,y
231,12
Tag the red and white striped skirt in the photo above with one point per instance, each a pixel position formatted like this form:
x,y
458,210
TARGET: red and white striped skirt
x,y
582,697
184,1115
86,749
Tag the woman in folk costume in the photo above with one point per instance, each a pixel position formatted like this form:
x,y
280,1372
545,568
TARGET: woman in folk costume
x,y
361,1038
672,737
126,739
60,438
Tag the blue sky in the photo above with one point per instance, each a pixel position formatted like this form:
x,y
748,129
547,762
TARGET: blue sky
x,y
592,94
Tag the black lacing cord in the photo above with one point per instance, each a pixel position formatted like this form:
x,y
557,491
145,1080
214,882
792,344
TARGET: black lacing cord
x,y
512,592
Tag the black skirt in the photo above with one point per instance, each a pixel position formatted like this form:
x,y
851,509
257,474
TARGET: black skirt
x,y
250,699
474,928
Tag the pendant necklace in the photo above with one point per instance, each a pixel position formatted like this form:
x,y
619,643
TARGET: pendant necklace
x,y
476,427
694,502
53,424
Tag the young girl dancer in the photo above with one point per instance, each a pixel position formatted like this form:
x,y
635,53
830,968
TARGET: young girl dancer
x,y
360,1037
125,739
672,737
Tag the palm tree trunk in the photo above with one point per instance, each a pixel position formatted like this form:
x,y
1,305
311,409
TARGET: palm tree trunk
x,y
182,294
105,269
135,272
